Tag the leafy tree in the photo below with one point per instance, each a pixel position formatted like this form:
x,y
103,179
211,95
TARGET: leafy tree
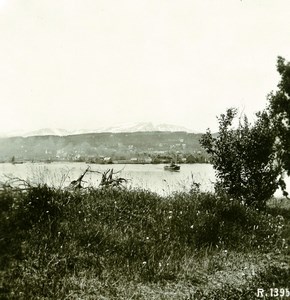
x,y
245,158
279,111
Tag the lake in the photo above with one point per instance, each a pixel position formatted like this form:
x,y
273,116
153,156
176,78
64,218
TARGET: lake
x,y
149,176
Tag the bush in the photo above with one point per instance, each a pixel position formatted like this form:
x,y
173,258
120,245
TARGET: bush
x,y
245,159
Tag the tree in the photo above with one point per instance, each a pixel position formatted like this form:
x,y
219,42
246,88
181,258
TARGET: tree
x,y
279,111
245,159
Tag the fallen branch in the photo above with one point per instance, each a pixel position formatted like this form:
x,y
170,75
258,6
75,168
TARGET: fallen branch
x,y
15,183
107,180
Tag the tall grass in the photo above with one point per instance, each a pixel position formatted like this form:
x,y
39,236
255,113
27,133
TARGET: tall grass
x,y
58,244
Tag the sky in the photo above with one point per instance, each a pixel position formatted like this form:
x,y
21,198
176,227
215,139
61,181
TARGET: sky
x,y
82,64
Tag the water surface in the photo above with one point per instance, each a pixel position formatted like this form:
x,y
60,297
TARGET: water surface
x,y
148,176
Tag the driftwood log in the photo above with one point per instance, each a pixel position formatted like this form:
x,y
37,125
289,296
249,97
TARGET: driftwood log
x,y
108,179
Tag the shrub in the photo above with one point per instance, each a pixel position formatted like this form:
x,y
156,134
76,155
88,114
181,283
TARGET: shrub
x,y
245,159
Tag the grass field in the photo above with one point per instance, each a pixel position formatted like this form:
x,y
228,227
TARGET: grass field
x,y
134,244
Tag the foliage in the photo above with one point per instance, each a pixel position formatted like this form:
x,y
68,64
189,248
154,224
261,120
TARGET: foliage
x,y
245,158
279,109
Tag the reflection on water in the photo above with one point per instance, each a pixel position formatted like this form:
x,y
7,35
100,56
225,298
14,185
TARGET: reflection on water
x,y
149,176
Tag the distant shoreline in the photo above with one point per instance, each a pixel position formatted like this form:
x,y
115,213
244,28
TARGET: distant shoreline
x,y
116,162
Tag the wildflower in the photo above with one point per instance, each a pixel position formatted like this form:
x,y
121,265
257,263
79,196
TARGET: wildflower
x,y
147,238
144,263
191,226
170,217
159,264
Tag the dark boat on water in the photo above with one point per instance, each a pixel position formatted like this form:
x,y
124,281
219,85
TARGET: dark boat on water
x,y
172,167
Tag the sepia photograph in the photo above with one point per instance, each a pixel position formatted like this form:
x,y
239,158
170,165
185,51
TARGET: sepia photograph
x,y
144,149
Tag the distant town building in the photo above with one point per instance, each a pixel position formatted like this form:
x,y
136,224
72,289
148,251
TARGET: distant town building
x,y
107,160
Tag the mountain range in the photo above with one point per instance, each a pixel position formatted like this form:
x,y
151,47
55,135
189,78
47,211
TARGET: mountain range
x,y
118,128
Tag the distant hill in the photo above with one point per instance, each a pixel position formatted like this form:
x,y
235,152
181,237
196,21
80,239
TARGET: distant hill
x,y
121,145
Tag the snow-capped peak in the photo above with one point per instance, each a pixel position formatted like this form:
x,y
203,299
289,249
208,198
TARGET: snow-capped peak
x,y
123,127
